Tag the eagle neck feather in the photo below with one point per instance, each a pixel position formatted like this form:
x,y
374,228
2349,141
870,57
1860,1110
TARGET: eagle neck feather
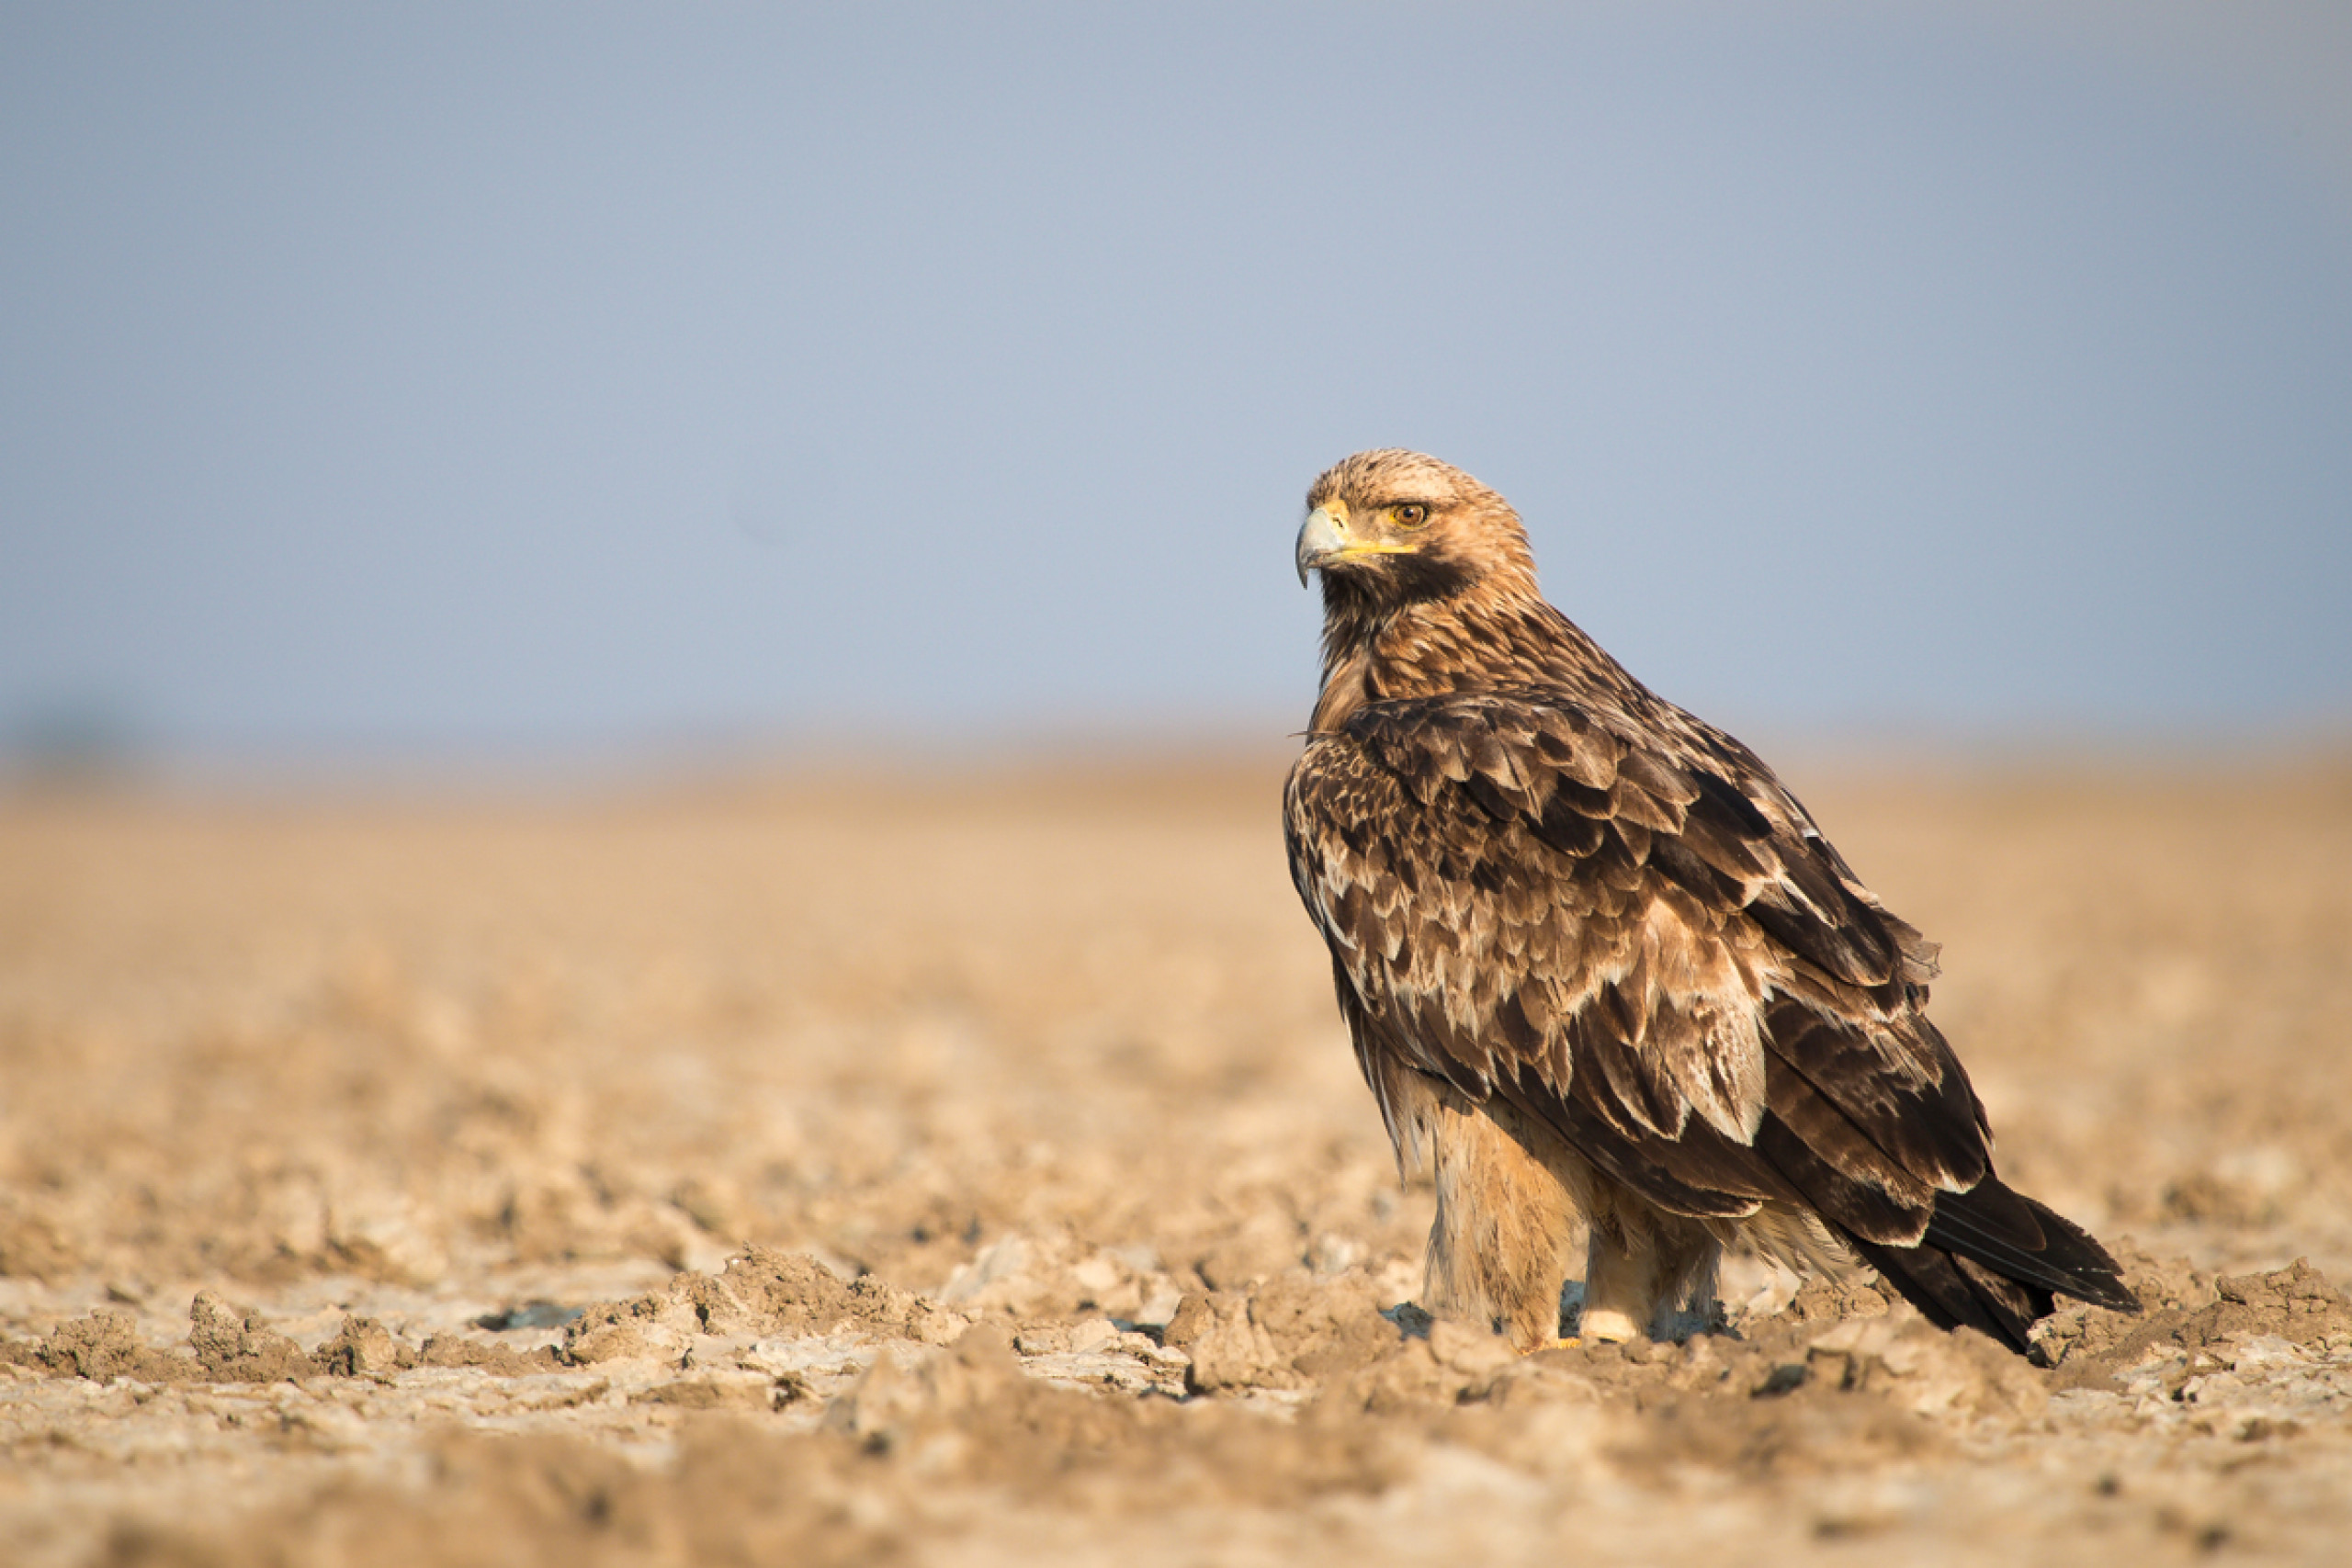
x,y
1497,633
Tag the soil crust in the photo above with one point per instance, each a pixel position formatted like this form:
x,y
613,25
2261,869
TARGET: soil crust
x,y
973,1170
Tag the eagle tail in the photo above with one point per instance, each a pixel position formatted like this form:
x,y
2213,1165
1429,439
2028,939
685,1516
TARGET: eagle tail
x,y
1995,1261
1951,1293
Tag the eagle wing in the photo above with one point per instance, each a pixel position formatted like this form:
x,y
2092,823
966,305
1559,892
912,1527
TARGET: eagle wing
x,y
1644,942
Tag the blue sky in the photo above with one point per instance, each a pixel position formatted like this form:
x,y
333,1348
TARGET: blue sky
x,y
565,381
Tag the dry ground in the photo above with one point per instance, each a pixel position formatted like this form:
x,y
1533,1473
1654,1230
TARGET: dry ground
x,y
973,1170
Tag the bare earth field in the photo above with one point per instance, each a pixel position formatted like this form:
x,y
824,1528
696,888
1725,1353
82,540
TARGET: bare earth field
x,y
973,1170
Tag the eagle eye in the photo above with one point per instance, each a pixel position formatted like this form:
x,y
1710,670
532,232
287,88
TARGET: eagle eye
x,y
1410,515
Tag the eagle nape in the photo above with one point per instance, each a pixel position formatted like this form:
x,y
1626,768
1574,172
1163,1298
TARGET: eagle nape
x,y
1603,972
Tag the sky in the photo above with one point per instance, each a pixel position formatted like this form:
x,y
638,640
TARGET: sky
x,y
420,383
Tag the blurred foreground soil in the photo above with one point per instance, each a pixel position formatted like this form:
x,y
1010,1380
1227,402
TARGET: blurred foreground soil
x,y
972,1170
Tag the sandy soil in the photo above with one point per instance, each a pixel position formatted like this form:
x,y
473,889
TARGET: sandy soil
x,y
972,1170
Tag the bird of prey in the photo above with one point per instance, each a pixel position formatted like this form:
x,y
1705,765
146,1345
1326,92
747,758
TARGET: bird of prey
x,y
1602,968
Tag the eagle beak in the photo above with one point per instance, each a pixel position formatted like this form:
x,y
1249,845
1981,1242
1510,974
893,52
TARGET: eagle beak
x,y
1323,537
1326,542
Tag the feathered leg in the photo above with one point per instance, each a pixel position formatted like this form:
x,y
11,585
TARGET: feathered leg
x,y
1507,1217
1639,1268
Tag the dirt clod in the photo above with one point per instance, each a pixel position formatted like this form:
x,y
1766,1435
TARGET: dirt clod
x,y
107,1345
237,1345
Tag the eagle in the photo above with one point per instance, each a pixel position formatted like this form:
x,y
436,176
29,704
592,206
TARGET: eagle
x,y
1604,974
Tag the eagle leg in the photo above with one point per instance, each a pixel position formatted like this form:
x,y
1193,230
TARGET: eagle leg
x,y
1503,1240
1636,1273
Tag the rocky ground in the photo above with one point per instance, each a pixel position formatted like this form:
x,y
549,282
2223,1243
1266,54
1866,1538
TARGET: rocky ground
x,y
971,1169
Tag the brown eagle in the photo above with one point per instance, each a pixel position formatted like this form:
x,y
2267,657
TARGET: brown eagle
x,y
1600,966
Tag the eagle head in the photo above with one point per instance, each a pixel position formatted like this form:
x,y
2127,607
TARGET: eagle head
x,y
1392,527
